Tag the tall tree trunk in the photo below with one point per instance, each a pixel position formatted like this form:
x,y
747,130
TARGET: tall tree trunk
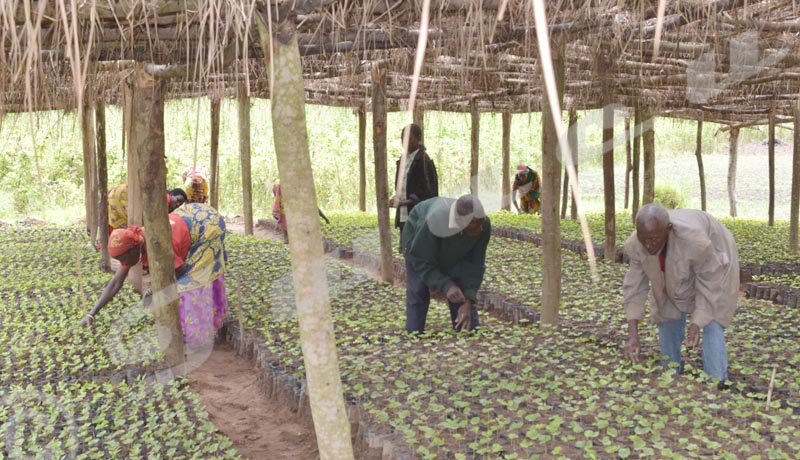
x,y
134,187
381,173
362,159
506,162
102,181
649,148
700,169
318,343
148,124
637,142
551,224
475,148
795,201
732,157
772,168
419,120
214,160
565,194
572,138
628,162
610,248
244,155
89,166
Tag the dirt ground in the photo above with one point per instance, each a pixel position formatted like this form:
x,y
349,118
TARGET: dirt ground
x,y
228,387
259,428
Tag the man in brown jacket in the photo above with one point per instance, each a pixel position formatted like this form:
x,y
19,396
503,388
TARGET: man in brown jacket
x,y
689,263
419,178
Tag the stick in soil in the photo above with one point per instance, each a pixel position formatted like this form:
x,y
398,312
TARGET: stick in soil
x,y
771,384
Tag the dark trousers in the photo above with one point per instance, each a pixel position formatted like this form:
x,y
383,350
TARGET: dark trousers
x,y
400,226
418,299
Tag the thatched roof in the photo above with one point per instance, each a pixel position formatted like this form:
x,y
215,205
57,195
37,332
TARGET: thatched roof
x,y
733,60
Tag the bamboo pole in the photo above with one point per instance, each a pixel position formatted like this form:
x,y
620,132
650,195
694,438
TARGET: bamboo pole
x,y
148,124
102,181
637,142
565,184
699,154
381,173
572,139
89,167
474,148
733,155
628,160
244,156
551,186
610,247
329,414
214,157
134,188
771,162
362,159
795,200
649,160
506,161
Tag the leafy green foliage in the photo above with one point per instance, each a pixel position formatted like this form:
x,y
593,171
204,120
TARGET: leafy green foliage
x,y
669,197
41,170
515,391
63,390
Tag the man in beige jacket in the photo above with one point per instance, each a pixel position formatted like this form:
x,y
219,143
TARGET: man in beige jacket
x,y
689,263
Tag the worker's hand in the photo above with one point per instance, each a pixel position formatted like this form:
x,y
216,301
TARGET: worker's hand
x,y
633,348
455,295
464,316
694,336
407,202
86,321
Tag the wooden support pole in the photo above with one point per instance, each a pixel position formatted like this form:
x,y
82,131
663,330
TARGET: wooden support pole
x,y
771,154
572,138
148,126
362,159
610,247
134,187
637,142
419,120
317,340
381,172
551,188
102,181
506,161
244,156
474,163
214,157
628,160
700,169
795,200
649,160
89,166
733,155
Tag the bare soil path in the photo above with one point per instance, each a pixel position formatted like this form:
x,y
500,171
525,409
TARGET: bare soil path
x,y
259,428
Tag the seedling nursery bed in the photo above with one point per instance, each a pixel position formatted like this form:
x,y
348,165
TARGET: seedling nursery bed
x,y
509,390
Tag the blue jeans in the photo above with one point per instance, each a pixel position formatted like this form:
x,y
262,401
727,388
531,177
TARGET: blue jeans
x,y
418,299
715,353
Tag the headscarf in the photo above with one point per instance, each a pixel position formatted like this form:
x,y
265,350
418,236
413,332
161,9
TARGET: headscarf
x,y
122,240
195,182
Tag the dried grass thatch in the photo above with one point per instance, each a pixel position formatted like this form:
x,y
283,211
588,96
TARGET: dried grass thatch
x,y
733,60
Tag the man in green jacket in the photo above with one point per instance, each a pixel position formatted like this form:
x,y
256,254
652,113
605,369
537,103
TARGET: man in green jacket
x,y
444,241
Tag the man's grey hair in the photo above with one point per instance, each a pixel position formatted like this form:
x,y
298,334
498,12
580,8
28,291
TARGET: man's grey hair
x,y
652,215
